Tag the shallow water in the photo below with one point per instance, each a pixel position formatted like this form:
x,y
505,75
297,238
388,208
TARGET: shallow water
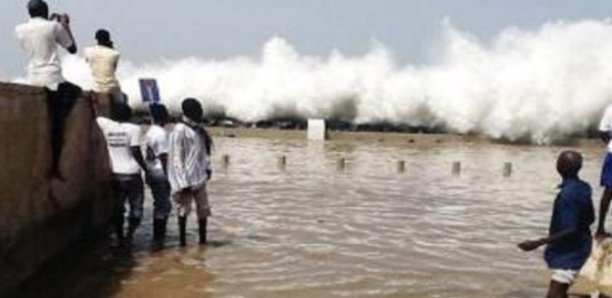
x,y
314,230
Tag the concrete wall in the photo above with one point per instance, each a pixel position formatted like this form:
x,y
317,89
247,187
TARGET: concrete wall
x,y
38,216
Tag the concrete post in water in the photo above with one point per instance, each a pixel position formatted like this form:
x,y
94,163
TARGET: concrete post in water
x,y
341,164
456,168
316,130
507,169
226,160
282,162
401,166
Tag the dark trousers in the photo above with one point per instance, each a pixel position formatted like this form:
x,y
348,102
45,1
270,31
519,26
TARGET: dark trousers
x,y
128,188
160,189
60,104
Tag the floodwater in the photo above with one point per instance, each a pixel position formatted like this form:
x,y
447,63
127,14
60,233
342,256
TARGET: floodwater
x,y
314,230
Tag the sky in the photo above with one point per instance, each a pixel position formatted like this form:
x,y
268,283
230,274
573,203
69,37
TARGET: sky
x,y
152,30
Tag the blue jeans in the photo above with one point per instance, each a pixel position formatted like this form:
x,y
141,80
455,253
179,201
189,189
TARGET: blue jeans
x,y
130,188
160,189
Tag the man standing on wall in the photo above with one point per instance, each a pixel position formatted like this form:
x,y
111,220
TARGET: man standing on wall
x,y
40,38
103,60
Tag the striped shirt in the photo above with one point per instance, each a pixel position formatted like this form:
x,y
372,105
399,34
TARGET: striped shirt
x,y
188,161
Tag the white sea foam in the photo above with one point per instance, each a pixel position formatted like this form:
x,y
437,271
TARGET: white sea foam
x,y
540,85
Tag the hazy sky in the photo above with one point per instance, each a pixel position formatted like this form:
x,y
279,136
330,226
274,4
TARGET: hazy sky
x,y
149,30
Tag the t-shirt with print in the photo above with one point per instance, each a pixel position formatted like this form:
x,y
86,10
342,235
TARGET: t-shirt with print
x,y
157,144
40,39
120,138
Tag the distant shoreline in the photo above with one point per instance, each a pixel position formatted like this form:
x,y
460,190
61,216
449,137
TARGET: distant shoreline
x,y
416,139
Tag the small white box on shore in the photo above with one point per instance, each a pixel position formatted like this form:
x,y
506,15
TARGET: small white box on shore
x,y
316,130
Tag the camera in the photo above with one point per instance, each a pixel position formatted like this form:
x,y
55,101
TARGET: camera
x,y
60,17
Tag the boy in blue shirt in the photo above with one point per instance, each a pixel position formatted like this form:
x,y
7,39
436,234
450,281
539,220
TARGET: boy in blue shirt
x,y
569,241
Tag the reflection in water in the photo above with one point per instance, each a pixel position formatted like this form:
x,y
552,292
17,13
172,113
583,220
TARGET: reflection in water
x,y
309,230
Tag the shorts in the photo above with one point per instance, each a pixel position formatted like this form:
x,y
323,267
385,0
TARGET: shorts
x,y
564,276
184,202
606,171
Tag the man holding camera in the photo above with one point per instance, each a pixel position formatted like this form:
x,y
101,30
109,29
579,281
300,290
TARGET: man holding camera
x,y
40,38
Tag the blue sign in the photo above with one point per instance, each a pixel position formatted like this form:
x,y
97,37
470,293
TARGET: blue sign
x,y
149,91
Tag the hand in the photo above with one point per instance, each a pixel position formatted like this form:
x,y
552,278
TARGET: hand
x,y
529,245
209,173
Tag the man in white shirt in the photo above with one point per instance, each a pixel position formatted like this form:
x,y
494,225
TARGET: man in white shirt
x,y
605,129
189,167
103,60
40,39
122,140
157,178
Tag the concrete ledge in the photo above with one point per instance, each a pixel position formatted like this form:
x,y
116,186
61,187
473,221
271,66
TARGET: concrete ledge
x,y
39,216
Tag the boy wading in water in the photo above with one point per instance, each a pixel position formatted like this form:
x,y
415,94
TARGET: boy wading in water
x,y
122,141
568,244
189,167
157,178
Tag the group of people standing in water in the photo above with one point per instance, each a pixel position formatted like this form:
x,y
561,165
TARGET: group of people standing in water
x,y
176,165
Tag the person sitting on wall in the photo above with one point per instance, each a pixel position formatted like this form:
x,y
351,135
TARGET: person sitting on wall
x,y
189,167
40,38
103,60
568,244
123,143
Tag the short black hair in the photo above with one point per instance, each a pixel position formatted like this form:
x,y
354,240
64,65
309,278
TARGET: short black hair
x,y
38,8
103,36
569,163
121,112
159,113
192,109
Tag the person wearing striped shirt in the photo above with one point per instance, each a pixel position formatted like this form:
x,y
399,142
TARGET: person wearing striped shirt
x,y
189,167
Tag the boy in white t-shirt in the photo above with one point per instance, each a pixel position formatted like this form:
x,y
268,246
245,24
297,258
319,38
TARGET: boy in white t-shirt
x,y
122,140
605,129
157,178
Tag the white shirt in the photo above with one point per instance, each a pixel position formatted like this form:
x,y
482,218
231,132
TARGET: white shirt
x,y
39,38
187,159
606,124
120,138
157,144
103,64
